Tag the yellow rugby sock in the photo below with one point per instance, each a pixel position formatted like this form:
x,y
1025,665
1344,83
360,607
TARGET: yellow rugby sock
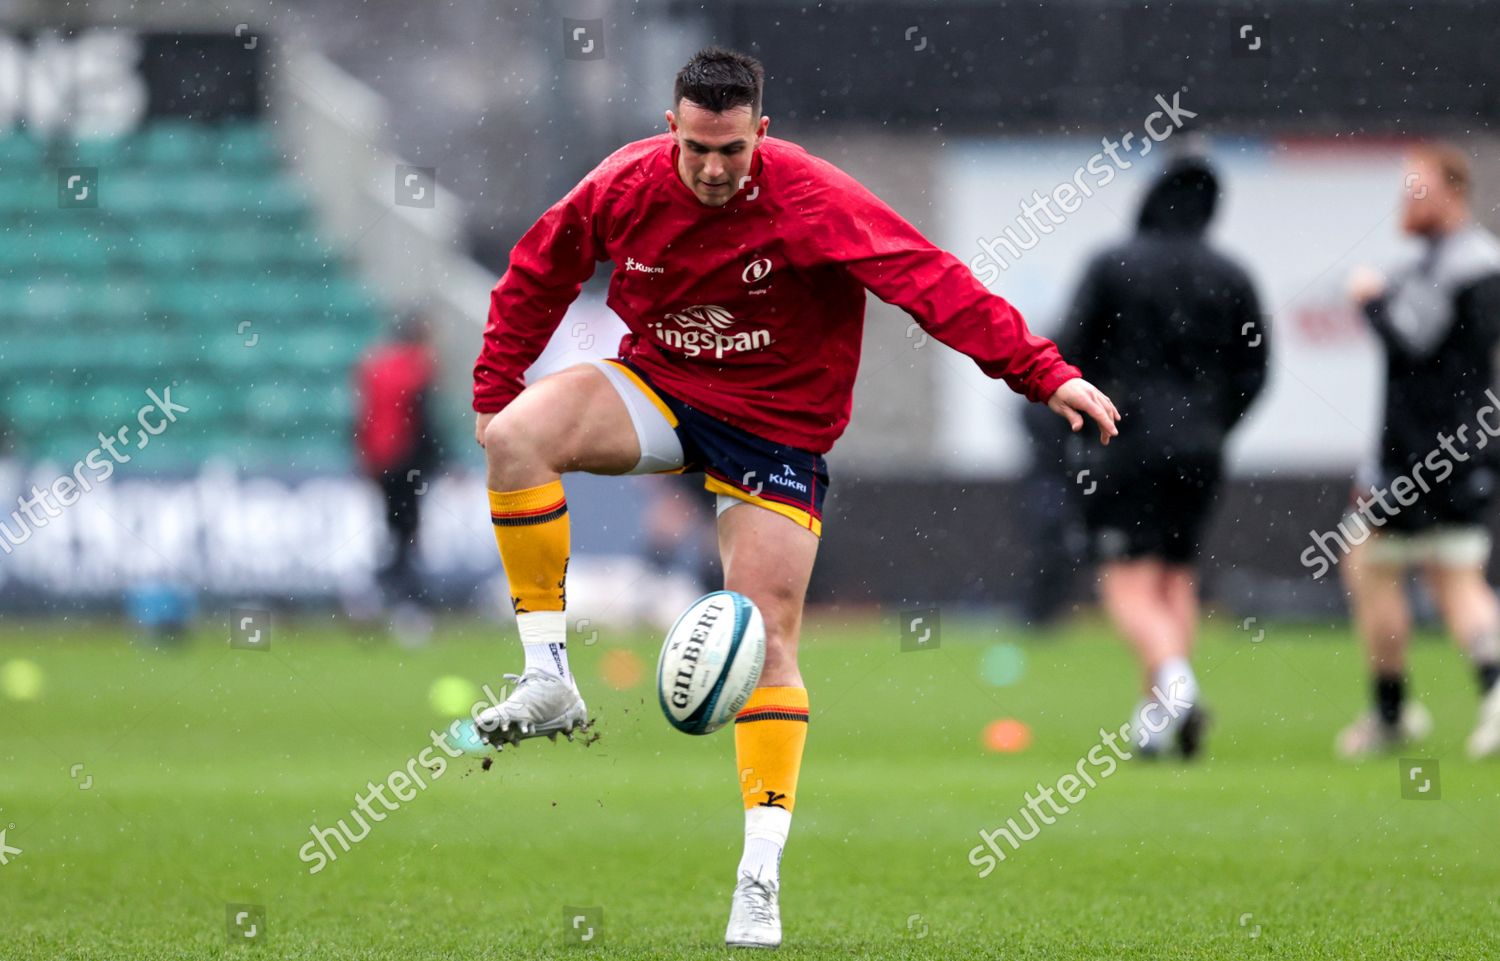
x,y
769,735
531,528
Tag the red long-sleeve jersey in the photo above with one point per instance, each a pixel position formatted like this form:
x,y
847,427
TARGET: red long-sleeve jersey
x,y
750,312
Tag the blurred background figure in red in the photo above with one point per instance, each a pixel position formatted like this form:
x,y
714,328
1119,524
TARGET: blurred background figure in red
x,y
397,442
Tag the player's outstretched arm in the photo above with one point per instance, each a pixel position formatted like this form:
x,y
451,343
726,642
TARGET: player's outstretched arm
x,y
1078,399
891,258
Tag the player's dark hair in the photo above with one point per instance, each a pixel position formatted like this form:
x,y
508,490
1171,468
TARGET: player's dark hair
x,y
717,79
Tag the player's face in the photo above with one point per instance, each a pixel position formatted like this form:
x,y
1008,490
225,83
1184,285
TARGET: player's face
x,y
715,149
1430,201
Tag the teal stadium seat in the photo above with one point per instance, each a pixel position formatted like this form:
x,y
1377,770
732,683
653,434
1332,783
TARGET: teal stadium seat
x,y
35,406
74,251
19,152
247,146
107,153
49,300
168,145
23,190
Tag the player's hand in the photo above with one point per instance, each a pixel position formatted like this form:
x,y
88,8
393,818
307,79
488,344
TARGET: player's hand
x,y
1365,285
480,423
1078,398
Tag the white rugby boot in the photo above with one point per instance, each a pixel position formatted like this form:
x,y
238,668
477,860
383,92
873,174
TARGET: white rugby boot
x,y
1485,741
754,916
540,705
1369,735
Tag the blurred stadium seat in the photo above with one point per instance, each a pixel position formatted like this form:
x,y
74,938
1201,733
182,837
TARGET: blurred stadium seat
x,y
200,261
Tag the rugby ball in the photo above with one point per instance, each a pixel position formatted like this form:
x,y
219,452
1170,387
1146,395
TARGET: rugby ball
x,y
710,662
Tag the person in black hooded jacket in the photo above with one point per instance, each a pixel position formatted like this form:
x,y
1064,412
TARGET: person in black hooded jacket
x,y
1171,329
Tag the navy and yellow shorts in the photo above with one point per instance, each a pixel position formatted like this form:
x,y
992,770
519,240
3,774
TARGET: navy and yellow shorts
x,y
737,465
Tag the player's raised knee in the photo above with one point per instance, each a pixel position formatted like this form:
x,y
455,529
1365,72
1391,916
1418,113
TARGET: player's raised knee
x,y
519,452
505,438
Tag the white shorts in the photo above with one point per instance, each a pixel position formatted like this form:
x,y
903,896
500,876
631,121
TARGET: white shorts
x,y
1452,546
661,451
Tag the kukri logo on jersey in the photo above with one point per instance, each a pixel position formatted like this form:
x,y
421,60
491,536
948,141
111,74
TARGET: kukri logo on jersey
x,y
632,264
706,329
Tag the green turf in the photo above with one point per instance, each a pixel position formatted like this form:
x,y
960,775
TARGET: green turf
x,y
209,765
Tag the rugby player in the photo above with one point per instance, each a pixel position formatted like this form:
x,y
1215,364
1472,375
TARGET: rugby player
x,y
1172,328
1438,318
740,268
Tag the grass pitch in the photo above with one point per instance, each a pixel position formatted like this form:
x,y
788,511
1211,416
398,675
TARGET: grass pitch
x,y
149,790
